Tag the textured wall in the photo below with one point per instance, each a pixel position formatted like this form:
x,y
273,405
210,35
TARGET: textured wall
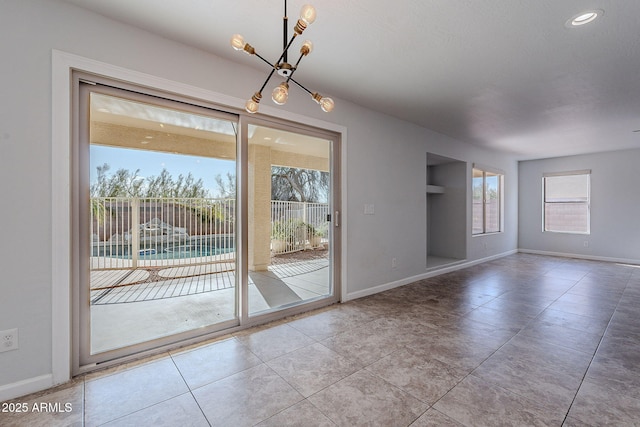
x,y
615,206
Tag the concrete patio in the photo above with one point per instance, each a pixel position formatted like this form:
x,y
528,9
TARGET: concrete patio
x,y
150,303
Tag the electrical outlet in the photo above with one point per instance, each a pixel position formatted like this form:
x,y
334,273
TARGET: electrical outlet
x,y
9,340
394,263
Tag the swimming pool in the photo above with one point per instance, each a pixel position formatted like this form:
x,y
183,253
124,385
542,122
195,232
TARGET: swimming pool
x,y
195,247
177,252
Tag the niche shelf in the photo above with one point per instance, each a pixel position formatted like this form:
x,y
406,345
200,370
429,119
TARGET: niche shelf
x,y
435,189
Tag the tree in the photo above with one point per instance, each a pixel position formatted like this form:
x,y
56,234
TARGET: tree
x,y
165,186
299,185
226,186
287,184
125,183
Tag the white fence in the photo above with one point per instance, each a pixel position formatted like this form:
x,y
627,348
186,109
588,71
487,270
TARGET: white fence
x,y
133,232
296,226
161,232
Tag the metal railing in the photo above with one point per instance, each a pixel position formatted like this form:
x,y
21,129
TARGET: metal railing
x,y
150,232
296,226
165,232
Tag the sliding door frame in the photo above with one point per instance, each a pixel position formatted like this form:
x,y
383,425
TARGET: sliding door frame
x,y
65,360
87,85
335,204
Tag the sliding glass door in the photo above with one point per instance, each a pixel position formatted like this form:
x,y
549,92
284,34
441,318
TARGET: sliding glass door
x,y
190,221
289,218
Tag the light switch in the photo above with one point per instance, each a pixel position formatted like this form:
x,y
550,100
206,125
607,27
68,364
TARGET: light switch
x,y
369,209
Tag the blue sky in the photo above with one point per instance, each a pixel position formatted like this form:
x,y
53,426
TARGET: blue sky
x,y
151,163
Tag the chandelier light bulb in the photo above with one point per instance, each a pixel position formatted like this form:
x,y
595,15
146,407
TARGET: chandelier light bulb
x,y
307,47
327,104
237,42
253,104
280,94
308,14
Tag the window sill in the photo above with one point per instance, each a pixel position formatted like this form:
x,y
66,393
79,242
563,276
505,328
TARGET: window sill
x,y
487,234
581,233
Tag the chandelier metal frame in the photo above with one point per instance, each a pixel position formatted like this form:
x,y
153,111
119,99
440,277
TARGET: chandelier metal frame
x,y
281,93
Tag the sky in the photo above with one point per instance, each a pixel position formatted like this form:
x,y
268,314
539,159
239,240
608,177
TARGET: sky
x,y
151,163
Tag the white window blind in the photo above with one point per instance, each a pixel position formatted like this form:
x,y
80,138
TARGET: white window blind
x,y
567,202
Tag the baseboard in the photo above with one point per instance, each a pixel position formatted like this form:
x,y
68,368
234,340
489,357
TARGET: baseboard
x,y
580,256
24,387
384,287
426,275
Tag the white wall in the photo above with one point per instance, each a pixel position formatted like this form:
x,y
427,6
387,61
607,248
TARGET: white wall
x,y
615,206
385,167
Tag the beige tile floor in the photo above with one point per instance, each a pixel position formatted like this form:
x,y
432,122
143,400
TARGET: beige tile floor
x,y
523,340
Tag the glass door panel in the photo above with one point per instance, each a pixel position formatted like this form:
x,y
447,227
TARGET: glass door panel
x,y
159,223
289,233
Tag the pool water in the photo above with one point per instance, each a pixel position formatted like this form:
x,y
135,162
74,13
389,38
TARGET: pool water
x,y
178,252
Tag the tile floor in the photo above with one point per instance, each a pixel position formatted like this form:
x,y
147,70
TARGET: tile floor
x,y
523,340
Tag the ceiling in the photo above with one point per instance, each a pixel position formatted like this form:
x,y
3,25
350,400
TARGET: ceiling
x,y
154,128
504,74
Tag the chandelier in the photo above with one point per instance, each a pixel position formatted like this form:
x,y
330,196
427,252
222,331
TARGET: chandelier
x,y
281,92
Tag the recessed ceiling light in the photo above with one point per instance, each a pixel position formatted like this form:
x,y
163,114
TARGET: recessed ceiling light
x,y
280,140
584,18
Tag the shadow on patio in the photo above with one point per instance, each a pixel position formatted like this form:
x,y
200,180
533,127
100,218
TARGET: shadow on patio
x,y
293,271
155,302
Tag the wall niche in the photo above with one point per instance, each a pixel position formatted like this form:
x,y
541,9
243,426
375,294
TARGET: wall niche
x,y
446,192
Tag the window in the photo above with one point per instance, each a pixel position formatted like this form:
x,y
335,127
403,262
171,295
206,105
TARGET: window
x,y
487,200
566,202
